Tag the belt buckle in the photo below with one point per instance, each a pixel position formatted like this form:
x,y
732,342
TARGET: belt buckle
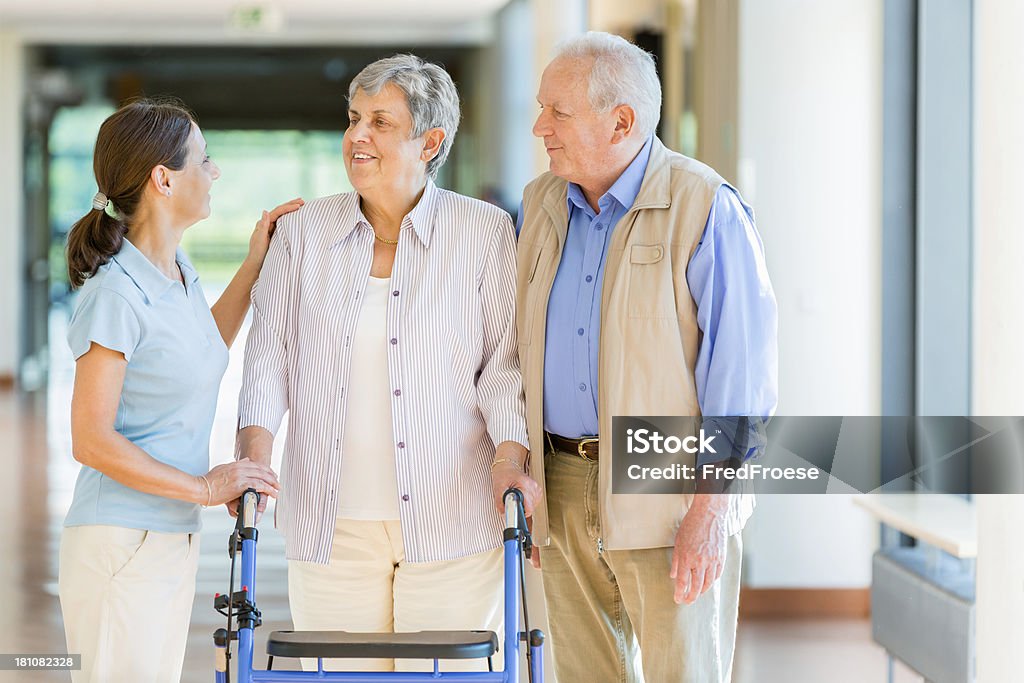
x,y
582,451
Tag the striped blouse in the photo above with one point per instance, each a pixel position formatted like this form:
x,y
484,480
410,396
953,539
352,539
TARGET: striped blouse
x,y
453,366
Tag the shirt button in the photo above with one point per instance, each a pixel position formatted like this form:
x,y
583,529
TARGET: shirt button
x,y
599,226
405,496
583,387
590,278
580,331
394,341
401,444
394,293
398,392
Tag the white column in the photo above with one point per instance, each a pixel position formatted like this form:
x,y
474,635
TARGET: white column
x,y
999,596
12,85
516,86
717,84
998,365
810,136
998,371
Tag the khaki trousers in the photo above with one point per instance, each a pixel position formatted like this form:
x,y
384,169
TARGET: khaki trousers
x,y
606,608
369,587
126,596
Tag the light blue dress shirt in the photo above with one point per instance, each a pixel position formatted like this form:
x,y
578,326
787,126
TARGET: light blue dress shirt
x,y
176,359
736,368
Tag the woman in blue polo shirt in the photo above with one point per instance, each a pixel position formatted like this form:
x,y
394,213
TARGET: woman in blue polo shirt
x,y
150,355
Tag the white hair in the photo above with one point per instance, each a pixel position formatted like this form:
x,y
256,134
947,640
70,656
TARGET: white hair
x,y
622,74
429,92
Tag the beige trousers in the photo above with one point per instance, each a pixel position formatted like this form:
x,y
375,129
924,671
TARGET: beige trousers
x,y
369,587
126,596
605,607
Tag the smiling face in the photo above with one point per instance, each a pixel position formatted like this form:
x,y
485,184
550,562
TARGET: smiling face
x,y
580,143
381,154
191,184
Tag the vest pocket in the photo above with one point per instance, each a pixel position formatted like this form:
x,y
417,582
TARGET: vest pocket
x,y
651,291
645,254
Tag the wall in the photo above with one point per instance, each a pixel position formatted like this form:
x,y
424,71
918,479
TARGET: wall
x,y
998,371
11,199
810,133
998,365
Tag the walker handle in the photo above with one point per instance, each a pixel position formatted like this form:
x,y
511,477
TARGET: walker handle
x,y
247,508
513,509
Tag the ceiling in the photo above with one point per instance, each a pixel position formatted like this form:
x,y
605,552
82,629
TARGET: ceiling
x,y
250,22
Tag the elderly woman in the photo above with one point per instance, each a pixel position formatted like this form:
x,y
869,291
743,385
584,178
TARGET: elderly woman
x,y
384,323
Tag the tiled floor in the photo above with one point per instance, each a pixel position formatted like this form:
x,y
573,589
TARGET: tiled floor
x,y
36,485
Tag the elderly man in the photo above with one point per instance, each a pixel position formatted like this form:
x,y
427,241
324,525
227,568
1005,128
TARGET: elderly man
x,y
642,290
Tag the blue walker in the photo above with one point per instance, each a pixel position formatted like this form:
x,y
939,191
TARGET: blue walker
x,y
240,606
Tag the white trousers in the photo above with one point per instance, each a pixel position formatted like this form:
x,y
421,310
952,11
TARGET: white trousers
x,y
126,596
369,587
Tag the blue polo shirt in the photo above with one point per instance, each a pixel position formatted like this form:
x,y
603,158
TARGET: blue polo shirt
x,y
176,359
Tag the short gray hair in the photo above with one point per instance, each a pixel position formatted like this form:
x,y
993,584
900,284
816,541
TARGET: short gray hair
x,y
429,92
622,74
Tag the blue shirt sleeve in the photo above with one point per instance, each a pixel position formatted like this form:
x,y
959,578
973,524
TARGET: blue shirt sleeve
x,y
519,219
105,317
736,371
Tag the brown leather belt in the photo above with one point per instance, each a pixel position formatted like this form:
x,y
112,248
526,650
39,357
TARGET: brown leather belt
x,y
586,448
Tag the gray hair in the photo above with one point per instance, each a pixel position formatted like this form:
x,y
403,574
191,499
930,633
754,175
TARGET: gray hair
x,y
429,92
622,74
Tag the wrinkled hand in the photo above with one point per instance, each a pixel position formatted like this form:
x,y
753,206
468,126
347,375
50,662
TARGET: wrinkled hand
x,y
699,554
234,478
506,475
259,242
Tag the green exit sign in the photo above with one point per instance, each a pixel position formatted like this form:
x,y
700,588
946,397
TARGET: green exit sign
x,y
255,18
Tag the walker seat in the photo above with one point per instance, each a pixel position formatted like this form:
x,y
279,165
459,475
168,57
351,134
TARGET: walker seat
x,y
417,645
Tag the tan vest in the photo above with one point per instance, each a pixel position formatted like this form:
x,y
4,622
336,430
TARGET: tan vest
x,y
649,333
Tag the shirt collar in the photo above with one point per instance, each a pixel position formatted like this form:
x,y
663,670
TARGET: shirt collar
x,y
625,188
188,271
422,215
146,276
421,218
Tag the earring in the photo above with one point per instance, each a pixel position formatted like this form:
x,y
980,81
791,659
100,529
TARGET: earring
x,y
168,193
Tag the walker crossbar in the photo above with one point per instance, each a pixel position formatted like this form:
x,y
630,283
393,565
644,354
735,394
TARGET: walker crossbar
x,y
435,645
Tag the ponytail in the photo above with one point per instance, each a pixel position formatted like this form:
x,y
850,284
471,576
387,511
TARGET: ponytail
x,y
92,241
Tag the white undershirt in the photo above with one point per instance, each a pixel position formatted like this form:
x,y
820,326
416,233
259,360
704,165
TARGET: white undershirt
x,y
369,483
